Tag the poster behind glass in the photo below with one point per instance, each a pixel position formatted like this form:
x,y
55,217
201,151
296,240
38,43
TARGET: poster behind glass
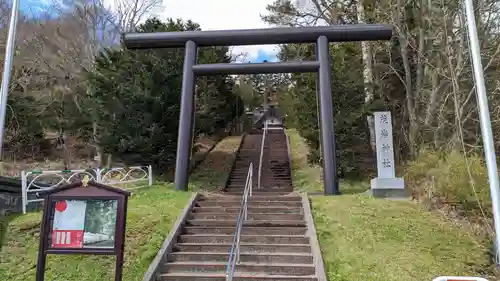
x,y
84,224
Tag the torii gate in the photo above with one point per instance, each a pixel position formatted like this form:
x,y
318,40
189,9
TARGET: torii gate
x,y
322,36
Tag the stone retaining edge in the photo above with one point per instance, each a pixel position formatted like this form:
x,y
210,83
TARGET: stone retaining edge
x,y
311,233
169,242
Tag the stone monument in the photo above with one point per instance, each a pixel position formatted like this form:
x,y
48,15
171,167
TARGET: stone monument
x,y
386,184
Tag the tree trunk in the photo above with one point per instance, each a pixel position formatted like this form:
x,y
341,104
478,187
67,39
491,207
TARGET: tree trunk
x,y
367,75
98,150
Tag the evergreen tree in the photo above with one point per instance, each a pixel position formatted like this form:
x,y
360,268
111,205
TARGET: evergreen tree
x,y
136,96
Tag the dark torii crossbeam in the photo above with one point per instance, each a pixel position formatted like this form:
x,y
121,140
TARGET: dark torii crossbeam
x,y
322,36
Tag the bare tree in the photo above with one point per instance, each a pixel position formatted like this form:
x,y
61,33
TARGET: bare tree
x,y
328,12
61,46
433,48
129,13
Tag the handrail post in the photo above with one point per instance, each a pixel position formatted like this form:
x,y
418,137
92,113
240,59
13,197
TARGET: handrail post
x,y
24,190
261,154
245,208
237,252
234,252
251,178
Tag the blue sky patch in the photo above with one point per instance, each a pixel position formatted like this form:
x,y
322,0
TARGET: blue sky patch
x,y
36,8
262,56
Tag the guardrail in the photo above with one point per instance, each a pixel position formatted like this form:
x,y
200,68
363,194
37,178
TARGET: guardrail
x,y
261,153
33,182
124,175
234,253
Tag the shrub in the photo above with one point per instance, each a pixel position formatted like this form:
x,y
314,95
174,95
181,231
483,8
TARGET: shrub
x,y
451,178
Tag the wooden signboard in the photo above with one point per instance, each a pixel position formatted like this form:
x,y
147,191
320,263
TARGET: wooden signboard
x,y
83,218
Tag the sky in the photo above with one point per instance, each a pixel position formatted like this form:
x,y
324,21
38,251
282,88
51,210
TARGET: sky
x,y
226,14
211,15
33,7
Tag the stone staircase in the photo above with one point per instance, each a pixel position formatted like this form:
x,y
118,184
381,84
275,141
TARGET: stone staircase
x,y
276,172
278,241
275,176
274,241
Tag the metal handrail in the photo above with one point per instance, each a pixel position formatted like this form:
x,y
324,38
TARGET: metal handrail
x,y
264,134
234,253
289,153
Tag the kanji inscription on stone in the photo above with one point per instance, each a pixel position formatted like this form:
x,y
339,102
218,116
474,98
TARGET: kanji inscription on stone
x,y
384,144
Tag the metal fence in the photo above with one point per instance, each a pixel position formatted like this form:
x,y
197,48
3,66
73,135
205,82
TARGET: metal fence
x,y
125,175
33,182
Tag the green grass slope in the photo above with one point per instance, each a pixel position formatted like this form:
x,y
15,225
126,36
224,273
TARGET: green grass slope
x,y
151,213
380,240
363,238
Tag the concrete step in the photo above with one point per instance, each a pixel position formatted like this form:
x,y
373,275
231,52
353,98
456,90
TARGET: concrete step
x,y
244,257
277,179
270,188
274,184
244,247
260,223
251,210
265,183
181,276
234,216
220,267
270,176
228,238
267,175
247,230
253,198
229,191
278,185
274,155
278,191
265,170
271,185
237,203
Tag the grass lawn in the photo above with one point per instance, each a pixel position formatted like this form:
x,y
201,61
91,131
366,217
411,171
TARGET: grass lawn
x,y
151,213
213,172
363,238
307,178
380,240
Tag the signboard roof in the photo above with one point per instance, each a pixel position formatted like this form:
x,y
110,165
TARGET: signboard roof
x,y
92,189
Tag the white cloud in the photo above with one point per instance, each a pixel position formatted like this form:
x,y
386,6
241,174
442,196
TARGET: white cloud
x,y
223,15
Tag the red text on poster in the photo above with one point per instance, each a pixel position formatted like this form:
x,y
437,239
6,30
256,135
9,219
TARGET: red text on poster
x,y
69,223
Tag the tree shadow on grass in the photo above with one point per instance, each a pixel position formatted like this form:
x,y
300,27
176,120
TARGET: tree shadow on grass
x,y
4,226
348,187
213,173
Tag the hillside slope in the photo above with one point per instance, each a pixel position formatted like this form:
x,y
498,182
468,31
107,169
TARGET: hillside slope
x,y
363,238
